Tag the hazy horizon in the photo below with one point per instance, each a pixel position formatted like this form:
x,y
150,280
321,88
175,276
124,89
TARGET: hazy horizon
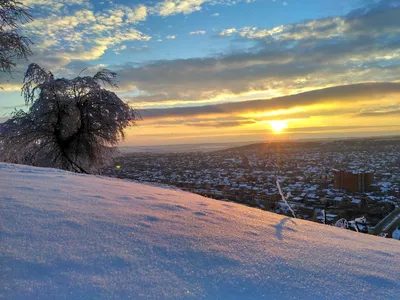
x,y
210,146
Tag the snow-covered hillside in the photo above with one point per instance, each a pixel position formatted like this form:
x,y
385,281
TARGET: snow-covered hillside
x,y
67,236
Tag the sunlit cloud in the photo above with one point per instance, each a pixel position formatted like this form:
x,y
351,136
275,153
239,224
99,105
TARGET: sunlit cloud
x,y
219,123
81,33
228,32
10,87
173,7
380,111
362,93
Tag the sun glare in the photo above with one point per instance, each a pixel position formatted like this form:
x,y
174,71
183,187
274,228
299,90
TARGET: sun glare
x,y
278,126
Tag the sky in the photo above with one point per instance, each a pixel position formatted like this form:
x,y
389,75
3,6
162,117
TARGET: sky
x,y
206,71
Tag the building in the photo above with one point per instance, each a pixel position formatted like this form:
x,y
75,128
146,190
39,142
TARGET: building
x,y
353,181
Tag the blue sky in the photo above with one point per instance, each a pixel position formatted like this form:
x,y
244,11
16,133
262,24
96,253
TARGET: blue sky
x,y
201,54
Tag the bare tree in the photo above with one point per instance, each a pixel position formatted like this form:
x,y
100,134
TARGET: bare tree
x,y
13,46
71,124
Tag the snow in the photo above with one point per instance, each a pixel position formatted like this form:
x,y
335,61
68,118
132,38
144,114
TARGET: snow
x,y
68,236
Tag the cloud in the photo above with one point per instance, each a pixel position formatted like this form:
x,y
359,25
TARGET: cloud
x,y
202,122
10,87
299,61
381,111
54,6
321,29
170,37
173,7
215,15
198,32
340,94
138,14
219,124
32,3
68,30
84,34
374,20
323,129
228,32
118,50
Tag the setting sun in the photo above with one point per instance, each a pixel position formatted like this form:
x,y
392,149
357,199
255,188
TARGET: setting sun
x,y
278,126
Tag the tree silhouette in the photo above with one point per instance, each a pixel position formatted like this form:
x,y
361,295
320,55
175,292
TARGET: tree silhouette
x,y
13,46
71,124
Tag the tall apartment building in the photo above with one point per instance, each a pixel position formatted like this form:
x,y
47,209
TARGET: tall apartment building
x,y
353,181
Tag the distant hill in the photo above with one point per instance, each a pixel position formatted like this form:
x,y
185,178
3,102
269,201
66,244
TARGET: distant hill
x,y
310,143
271,145
68,236
179,148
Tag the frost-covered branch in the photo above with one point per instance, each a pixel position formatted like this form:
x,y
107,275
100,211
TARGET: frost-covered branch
x,y
73,124
284,198
13,46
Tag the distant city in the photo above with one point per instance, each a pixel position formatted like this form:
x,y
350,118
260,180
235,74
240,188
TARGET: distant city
x,y
353,184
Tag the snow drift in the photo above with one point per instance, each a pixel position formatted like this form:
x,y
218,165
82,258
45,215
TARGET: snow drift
x,y
68,236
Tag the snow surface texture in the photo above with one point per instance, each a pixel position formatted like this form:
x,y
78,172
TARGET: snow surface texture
x,y
67,236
